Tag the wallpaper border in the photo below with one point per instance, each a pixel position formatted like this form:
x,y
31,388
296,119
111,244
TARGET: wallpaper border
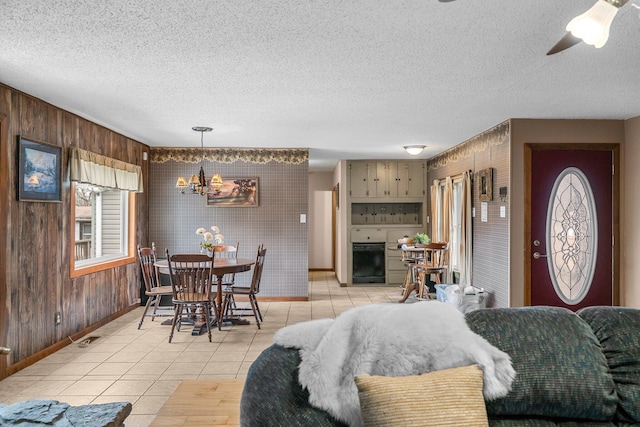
x,y
230,155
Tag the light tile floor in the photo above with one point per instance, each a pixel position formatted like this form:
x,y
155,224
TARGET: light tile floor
x,y
141,367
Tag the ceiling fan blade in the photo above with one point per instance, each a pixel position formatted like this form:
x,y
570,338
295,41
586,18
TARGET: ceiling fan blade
x,y
565,43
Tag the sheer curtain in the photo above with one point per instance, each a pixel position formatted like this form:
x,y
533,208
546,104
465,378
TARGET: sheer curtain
x,y
466,232
447,223
436,208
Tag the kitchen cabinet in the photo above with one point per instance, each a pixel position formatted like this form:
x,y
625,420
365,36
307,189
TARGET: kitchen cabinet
x,y
386,213
412,178
387,179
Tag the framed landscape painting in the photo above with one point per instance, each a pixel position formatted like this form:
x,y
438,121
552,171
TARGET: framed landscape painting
x,y
235,192
39,171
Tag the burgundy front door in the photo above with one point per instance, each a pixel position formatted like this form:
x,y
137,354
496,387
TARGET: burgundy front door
x,y
571,235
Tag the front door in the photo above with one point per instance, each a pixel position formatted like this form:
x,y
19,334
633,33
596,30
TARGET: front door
x,y
570,241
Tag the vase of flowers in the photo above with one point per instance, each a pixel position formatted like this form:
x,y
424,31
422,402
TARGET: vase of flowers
x,y
209,239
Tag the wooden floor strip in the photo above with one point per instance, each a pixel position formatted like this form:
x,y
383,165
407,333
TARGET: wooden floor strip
x,y
202,403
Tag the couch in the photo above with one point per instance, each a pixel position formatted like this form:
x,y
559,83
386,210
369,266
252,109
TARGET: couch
x,y
571,369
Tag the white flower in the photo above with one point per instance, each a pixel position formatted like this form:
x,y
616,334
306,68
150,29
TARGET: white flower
x,y
209,237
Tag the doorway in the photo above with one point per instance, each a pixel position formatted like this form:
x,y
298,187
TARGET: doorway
x,y
571,225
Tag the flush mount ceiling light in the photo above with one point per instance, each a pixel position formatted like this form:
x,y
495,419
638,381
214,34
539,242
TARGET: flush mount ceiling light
x,y
592,27
414,150
197,184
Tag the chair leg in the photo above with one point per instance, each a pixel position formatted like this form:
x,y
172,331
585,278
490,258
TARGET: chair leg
x,y
156,303
226,306
177,312
232,303
144,313
219,310
408,276
258,308
422,278
253,307
207,320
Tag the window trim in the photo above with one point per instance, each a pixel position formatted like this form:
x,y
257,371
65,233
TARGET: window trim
x,y
101,266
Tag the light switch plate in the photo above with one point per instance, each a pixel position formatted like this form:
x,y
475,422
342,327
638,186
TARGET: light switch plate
x,y
303,218
503,211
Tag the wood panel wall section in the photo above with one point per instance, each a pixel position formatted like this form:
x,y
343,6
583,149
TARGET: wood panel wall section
x,y
34,265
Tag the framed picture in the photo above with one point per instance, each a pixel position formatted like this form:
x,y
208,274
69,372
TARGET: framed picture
x,y
236,193
485,184
39,171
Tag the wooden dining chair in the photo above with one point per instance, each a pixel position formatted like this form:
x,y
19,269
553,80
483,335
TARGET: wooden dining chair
x,y
435,265
408,259
191,284
152,288
250,291
227,251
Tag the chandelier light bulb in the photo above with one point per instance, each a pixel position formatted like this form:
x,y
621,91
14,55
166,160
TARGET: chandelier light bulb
x,y
593,25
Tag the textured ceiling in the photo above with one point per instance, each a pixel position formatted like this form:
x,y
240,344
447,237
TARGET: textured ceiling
x,y
346,78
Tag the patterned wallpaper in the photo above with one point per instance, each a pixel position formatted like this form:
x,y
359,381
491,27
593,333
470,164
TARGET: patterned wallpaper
x,y
491,149
282,197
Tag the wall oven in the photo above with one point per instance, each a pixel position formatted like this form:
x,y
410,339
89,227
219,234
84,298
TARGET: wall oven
x,y
368,263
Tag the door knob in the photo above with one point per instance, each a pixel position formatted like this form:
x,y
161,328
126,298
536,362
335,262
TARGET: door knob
x,y
538,255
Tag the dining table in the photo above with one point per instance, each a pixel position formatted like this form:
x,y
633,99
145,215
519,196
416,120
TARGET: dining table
x,y
221,266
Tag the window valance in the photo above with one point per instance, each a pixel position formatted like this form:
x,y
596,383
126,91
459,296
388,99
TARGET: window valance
x,y
96,169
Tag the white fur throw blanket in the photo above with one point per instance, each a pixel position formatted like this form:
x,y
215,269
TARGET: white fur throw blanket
x,y
392,340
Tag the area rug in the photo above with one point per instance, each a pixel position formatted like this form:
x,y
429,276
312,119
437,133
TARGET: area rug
x,y
202,403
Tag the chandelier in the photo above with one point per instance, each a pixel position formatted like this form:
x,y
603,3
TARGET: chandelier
x,y
197,184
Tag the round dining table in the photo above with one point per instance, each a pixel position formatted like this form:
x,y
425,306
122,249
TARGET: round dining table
x,y
221,266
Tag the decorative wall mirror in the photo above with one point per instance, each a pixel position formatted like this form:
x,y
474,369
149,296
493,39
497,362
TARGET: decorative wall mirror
x,y
485,184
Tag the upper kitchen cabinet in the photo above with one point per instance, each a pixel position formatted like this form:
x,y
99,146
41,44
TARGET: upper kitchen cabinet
x,y
412,177
387,179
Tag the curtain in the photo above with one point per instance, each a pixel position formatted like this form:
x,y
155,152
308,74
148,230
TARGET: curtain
x,y
466,232
447,223
103,171
435,211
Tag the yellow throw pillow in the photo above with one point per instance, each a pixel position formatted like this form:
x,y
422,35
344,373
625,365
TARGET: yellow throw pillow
x,y
449,397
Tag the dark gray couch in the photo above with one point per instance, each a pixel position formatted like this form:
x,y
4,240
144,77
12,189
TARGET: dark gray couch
x,y
572,369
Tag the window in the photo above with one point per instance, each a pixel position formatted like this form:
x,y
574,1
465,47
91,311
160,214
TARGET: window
x,y
572,240
103,231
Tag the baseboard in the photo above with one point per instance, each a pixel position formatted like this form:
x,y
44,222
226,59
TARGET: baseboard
x,y
279,299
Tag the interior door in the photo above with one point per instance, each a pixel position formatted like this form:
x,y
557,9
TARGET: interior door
x,y
572,206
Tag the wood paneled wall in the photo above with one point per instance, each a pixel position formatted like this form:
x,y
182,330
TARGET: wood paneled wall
x,y
34,272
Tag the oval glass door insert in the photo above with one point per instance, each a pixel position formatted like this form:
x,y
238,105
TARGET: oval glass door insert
x,y
572,238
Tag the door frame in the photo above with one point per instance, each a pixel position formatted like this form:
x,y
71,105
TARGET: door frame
x,y
615,214
4,315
